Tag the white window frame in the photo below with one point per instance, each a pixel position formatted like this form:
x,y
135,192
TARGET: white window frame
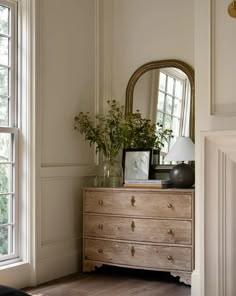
x,y
23,272
13,130
22,268
12,5
14,195
175,74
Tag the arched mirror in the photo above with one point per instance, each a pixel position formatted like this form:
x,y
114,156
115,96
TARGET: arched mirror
x,y
163,91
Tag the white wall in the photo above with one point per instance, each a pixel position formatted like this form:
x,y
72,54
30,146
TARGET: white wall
x,y
132,33
66,75
141,31
215,148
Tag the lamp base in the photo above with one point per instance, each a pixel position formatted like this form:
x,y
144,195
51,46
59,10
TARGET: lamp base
x,y
182,176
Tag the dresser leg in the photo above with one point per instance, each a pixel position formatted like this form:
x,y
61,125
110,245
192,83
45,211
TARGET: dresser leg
x,y
184,277
90,266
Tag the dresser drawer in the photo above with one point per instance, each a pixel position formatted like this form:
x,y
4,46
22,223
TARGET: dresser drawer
x,y
145,230
139,255
139,203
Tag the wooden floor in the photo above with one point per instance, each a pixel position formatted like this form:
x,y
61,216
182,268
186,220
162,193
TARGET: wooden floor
x,y
114,282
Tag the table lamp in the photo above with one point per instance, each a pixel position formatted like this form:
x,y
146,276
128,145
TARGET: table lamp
x,y
182,174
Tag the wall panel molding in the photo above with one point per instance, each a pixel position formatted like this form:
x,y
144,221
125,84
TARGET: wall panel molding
x,y
221,46
68,171
220,188
51,267
212,57
46,244
107,28
61,210
72,246
222,174
69,80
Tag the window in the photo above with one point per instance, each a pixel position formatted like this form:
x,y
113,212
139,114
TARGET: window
x,y
172,101
8,132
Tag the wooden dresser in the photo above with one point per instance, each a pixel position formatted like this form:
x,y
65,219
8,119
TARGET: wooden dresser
x,y
139,228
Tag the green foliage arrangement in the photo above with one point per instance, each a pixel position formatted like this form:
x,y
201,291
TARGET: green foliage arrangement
x,y
142,133
107,131
115,130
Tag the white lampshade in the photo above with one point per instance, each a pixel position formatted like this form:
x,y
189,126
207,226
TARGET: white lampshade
x,y
182,150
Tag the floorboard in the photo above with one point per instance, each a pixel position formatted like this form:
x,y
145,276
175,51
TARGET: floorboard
x,y
110,281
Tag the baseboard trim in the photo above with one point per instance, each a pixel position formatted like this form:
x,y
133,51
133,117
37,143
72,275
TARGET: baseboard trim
x,y
196,285
55,268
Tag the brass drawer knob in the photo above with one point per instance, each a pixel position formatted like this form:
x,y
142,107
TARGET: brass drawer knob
x,y
132,201
100,202
100,226
169,257
169,205
132,225
132,251
100,251
170,231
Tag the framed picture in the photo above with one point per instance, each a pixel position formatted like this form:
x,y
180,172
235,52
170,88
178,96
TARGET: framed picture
x,y
136,164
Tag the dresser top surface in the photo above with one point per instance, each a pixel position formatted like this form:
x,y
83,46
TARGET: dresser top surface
x,y
118,189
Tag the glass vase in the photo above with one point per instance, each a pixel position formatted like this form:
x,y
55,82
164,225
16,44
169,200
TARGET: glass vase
x,y
112,173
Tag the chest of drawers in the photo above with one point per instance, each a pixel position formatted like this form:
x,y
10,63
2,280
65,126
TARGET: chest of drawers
x,y
139,228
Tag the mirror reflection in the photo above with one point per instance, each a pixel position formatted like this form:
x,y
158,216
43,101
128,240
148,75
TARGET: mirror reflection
x,y
164,95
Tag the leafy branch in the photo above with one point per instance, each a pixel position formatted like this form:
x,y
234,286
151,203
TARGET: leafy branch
x,y
142,133
113,131
107,131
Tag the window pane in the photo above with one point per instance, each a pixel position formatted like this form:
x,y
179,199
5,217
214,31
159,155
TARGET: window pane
x,y
162,81
175,126
5,178
177,108
4,111
160,117
169,101
160,101
4,240
170,85
4,20
4,209
4,50
178,89
166,147
8,71
167,122
5,147
172,141
3,81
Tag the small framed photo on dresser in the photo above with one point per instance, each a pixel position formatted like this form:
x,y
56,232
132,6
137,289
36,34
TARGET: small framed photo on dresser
x,y
136,164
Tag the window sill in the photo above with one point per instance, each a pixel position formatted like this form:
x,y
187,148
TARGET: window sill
x,y
12,264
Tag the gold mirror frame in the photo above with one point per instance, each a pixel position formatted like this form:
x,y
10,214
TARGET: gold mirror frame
x,y
187,69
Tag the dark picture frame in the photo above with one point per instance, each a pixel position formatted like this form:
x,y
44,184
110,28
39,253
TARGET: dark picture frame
x,y
137,164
